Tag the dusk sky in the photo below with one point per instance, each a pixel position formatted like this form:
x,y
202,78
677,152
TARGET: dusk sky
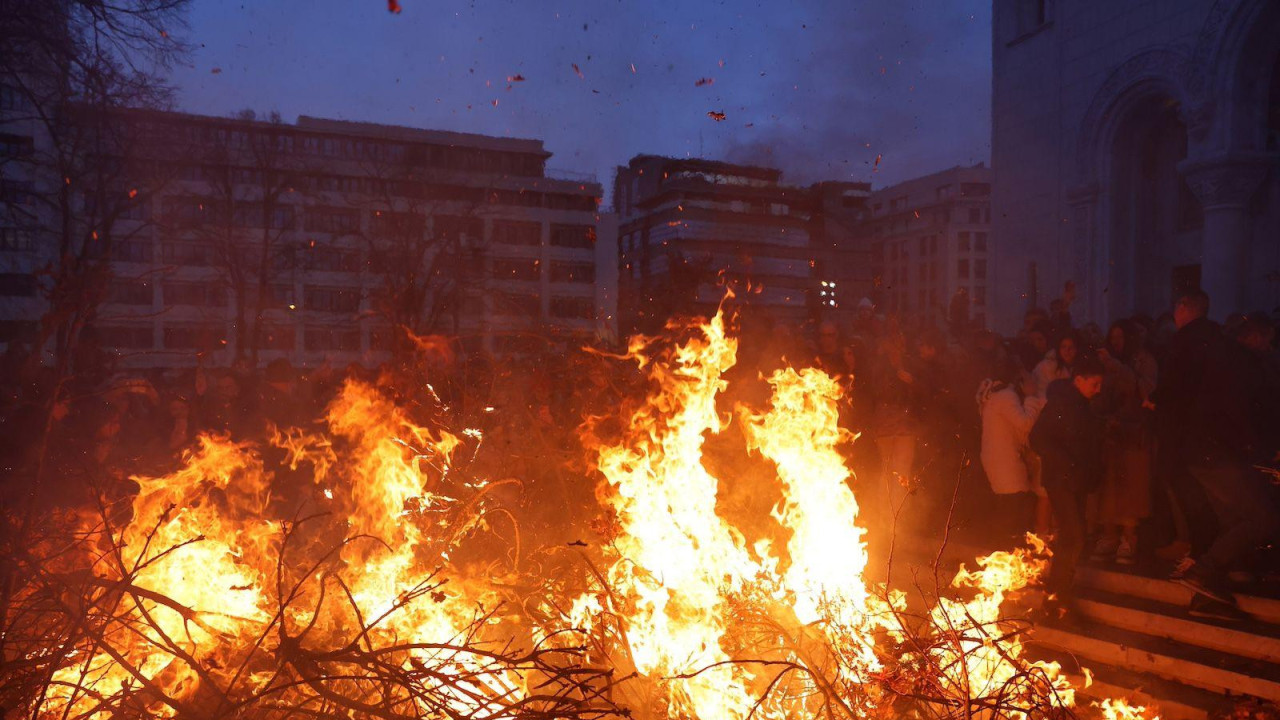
x,y
819,88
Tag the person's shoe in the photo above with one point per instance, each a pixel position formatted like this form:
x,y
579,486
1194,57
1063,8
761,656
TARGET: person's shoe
x,y
1206,607
1204,586
1105,548
1174,551
1125,552
1182,568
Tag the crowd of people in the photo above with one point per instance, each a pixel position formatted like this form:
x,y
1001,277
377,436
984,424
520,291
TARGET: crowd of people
x,y
1153,442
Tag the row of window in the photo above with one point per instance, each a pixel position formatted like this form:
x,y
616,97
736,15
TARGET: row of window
x,y
288,140
966,269
529,269
927,246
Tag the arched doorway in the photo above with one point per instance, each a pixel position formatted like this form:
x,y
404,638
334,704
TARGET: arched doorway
x,y
1157,222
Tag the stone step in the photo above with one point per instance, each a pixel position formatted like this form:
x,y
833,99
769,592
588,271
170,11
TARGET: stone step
x,y
1250,639
1117,582
1196,667
1171,700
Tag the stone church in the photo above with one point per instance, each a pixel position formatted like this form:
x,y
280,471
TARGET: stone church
x,y
1136,151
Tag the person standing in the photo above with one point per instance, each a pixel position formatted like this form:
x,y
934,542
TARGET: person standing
x,y
1009,408
1125,498
1057,365
1068,438
1205,399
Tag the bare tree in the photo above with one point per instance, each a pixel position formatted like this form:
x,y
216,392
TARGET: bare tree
x,y
71,70
251,171
424,246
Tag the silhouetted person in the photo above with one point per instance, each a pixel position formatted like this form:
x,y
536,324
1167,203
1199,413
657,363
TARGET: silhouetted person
x,y
1068,438
1204,400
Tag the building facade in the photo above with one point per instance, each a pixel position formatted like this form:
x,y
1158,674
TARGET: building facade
x,y
929,242
321,241
689,228
1135,153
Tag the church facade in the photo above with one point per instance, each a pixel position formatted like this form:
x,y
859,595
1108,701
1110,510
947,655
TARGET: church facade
x,y
1136,152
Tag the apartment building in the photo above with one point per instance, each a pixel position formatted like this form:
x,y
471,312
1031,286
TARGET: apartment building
x,y
689,228
928,241
319,240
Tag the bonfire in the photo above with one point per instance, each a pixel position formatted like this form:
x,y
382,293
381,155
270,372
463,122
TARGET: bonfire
x,y
207,594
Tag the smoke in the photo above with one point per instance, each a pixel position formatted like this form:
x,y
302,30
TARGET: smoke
x,y
885,91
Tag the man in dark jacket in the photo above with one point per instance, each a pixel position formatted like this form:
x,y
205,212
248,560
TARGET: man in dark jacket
x,y
1068,438
1205,405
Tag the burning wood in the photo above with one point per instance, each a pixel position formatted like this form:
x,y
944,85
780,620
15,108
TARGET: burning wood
x,y
209,593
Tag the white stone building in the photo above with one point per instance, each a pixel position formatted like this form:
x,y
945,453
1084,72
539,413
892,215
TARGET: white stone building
x,y
1135,149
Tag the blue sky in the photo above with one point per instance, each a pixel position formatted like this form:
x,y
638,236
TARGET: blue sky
x,y
819,88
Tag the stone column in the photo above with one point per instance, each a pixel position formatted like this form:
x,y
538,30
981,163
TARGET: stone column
x,y
1224,185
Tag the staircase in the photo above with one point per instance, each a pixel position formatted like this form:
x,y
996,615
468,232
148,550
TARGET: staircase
x,y
1133,633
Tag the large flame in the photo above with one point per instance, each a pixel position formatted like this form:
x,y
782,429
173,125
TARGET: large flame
x,y
320,585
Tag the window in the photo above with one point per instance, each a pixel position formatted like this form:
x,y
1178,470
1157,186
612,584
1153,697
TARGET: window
x,y
15,240
453,227
933,272
17,285
517,304
12,98
573,272
193,337
975,216
512,232
924,272
980,242
877,252
180,253
893,253
933,244
980,295
898,203
516,269
331,299
962,269
280,296
943,191
126,337
130,292
962,241
138,251
198,294
16,146
979,269
975,189
331,259
397,224
573,236
924,245
1032,15
582,308
333,220
276,337
322,338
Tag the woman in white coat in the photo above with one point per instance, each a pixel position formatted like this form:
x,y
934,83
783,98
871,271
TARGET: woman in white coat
x,y
1009,410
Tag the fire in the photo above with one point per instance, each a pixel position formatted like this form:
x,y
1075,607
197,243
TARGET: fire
x,y
200,599
722,629
338,577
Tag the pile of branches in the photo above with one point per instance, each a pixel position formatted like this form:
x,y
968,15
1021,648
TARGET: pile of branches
x,y
85,635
